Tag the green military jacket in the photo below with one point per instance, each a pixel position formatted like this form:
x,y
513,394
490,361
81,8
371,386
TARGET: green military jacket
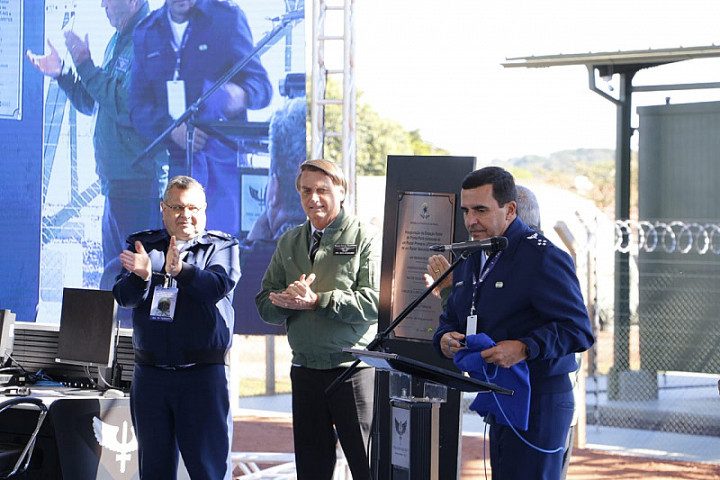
x,y
103,91
347,269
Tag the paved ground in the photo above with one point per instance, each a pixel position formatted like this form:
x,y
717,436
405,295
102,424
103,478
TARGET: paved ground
x,y
259,433
263,424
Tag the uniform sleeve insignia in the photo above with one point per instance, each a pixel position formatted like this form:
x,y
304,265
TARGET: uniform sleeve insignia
x,y
540,240
123,64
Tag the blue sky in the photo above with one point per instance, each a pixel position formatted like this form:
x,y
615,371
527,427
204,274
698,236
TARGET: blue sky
x,y
436,66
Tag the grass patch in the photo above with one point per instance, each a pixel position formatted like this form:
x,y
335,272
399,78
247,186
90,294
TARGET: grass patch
x,y
250,387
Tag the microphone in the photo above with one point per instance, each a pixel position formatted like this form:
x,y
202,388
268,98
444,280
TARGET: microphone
x,y
298,14
492,244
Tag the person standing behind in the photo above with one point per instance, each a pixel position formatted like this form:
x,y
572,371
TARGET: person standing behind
x,y
323,283
179,281
528,209
181,50
283,210
527,299
132,191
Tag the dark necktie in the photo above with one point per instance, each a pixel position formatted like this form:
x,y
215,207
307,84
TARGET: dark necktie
x,y
317,235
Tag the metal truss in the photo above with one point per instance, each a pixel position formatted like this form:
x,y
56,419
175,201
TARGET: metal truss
x,y
320,74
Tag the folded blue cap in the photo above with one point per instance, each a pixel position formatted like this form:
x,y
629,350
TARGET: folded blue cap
x,y
511,410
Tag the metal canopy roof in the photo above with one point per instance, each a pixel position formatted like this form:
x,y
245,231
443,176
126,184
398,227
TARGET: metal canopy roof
x,y
636,58
626,64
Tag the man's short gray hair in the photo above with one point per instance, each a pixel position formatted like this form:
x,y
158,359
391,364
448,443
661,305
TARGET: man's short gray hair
x,y
181,182
527,207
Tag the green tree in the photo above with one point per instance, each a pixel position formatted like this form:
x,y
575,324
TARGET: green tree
x,y
377,137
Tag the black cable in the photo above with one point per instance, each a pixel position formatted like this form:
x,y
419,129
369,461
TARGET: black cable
x,y
18,364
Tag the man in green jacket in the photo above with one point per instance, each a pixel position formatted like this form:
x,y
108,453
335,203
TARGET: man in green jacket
x,y
323,283
132,190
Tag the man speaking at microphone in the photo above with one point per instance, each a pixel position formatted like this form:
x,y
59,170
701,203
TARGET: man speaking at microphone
x,y
181,50
527,299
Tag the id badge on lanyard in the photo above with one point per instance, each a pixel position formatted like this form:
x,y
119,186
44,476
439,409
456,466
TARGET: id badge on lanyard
x,y
471,320
176,87
176,98
162,307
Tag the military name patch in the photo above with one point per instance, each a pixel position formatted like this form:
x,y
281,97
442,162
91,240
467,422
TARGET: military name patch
x,y
344,249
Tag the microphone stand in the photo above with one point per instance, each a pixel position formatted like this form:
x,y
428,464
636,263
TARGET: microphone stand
x,y
262,46
382,336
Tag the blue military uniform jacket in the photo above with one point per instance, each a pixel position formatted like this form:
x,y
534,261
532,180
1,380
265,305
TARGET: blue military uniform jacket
x,y
202,328
218,36
531,294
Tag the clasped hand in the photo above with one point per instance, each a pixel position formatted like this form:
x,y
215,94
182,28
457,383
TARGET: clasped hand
x,y
51,64
505,354
140,264
298,295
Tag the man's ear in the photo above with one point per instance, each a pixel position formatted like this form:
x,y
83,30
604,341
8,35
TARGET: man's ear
x,y
512,208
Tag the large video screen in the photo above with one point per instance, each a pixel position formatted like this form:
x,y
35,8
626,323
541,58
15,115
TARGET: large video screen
x,y
65,208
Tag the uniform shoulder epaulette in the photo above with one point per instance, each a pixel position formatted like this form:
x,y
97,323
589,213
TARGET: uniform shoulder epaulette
x,y
150,18
231,4
537,239
219,234
145,236
146,233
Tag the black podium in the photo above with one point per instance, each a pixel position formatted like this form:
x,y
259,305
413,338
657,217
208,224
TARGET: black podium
x,y
416,420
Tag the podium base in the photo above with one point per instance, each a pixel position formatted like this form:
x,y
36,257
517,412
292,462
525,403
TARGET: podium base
x,y
415,440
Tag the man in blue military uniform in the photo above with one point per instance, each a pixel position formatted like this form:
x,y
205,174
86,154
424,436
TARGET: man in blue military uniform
x,y
179,282
527,299
131,191
181,49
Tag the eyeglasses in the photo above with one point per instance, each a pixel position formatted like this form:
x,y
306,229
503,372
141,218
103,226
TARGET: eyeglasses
x,y
181,208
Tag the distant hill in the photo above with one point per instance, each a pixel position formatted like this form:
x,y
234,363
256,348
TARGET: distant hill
x,y
565,161
589,172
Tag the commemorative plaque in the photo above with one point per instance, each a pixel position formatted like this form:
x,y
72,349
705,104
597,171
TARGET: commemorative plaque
x,y
424,219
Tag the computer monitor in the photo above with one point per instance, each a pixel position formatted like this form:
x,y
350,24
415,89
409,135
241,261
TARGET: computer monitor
x,y
87,328
7,335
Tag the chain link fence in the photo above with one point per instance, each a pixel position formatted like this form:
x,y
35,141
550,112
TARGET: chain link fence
x,y
656,362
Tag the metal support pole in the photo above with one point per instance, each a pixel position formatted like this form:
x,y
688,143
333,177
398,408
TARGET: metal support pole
x,y
319,72
269,364
622,212
349,146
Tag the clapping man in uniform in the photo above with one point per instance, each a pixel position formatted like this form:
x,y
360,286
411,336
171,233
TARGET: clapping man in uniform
x,y
180,398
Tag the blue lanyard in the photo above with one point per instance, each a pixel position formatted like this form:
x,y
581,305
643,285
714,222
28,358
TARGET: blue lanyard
x,y
477,283
178,49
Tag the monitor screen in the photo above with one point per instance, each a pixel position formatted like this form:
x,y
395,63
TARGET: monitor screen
x,y
253,182
87,327
7,335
